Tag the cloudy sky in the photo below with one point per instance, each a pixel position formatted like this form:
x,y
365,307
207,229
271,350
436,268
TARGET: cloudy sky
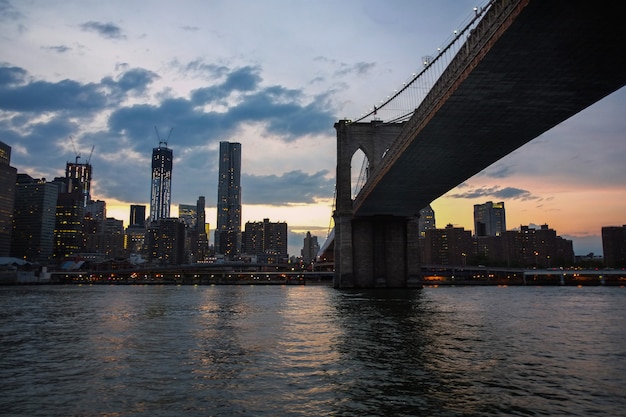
x,y
274,75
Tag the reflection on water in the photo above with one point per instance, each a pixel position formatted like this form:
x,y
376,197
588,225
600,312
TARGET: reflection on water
x,y
311,350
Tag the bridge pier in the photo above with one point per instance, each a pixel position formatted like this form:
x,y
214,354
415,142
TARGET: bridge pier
x,y
370,251
376,251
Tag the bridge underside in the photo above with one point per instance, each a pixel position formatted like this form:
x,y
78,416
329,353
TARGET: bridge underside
x,y
555,59
528,66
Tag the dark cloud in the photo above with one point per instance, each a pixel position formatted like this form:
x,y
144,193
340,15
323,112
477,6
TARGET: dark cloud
x,y
42,141
137,79
495,192
107,30
283,114
68,96
198,66
190,28
240,80
43,96
10,76
290,187
360,68
8,11
278,108
58,48
498,171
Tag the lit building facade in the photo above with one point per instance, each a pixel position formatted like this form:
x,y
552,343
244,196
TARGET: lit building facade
x,y
135,233
426,220
489,219
539,248
228,231
34,219
161,188
68,229
266,240
165,239
187,214
449,246
113,246
8,177
93,226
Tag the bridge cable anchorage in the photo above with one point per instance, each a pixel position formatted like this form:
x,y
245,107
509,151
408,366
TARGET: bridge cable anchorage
x,y
422,82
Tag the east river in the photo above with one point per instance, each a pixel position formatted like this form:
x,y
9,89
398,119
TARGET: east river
x,y
150,350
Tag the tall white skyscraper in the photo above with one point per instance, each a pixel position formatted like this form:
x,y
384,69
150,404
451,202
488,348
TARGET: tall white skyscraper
x,y
161,189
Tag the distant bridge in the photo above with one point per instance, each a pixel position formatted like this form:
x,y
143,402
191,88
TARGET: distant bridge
x,y
519,68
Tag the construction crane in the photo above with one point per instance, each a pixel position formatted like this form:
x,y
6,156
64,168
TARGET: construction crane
x,y
74,147
90,153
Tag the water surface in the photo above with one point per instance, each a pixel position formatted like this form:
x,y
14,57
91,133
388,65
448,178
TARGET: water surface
x,y
311,351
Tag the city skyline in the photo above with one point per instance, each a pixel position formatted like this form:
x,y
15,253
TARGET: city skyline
x,y
275,82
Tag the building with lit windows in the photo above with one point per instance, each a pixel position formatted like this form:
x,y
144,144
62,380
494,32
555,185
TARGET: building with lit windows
x,y
8,176
68,229
165,240
161,186
426,220
135,233
266,240
449,246
489,219
228,231
34,218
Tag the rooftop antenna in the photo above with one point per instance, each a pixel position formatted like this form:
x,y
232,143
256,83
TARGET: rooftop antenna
x,y
161,141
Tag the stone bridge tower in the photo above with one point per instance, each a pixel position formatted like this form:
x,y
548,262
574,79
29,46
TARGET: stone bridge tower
x,y
370,251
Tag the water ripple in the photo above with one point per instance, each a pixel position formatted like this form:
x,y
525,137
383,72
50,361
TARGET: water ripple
x,y
311,351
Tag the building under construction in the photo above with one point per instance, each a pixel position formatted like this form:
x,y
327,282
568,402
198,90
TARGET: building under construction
x,y
161,189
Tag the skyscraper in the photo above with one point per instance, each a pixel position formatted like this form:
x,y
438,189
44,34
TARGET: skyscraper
x,y
135,234
161,190
203,240
614,246
166,241
137,215
310,248
426,220
34,218
489,219
187,214
228,231
8,176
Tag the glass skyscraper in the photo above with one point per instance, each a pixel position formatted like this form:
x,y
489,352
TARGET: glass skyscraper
x,y
161,190
489,219
8,176
228,231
